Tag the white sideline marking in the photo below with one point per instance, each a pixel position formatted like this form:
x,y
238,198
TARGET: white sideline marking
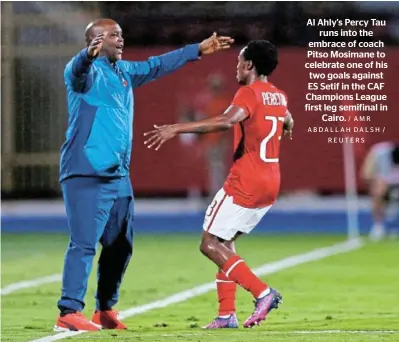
x,y
28,284
268,268
266,332
297,332
278,332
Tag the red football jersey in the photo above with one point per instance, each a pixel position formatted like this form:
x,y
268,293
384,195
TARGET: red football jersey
x,y
254,179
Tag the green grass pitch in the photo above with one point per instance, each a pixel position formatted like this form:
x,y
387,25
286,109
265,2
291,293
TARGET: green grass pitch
x,y
356,292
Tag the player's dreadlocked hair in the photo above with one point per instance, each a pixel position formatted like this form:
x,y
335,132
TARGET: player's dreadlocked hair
x,y
263,55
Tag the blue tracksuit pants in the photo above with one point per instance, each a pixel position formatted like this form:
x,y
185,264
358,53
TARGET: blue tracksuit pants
x,y
98,210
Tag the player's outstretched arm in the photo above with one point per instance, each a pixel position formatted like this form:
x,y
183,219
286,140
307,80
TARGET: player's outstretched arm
x,y
157,66
77,72
288,124
161,134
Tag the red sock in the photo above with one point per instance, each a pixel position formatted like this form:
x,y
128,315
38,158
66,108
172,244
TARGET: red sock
x,y
226,294
236,270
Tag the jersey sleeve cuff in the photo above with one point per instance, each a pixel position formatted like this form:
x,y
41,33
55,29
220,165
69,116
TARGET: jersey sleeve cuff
x,y
84,55
243,107
192,52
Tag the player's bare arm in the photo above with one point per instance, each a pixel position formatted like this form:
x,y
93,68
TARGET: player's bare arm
x,y
161,134
288,124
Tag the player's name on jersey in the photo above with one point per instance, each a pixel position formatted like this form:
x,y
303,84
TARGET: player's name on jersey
x,y
273,99
360,129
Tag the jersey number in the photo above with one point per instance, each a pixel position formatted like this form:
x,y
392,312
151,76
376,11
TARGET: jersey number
x,y
263,144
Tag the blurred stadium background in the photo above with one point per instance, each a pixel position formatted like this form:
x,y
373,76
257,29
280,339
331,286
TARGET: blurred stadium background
x,y
38,38
173,186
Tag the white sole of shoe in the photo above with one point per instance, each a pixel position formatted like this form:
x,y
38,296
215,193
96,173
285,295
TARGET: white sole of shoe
x,y
61,329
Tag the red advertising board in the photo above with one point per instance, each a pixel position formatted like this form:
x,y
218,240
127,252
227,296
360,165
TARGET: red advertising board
x,y
309,161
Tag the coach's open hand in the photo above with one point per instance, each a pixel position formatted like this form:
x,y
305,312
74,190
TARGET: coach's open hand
x,y
215,43
160,135
96,44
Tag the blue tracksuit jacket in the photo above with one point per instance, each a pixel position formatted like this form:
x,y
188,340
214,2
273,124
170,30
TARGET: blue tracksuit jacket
x,y
101,110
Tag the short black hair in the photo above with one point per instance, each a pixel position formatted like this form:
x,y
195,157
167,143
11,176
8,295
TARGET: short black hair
x,y
263,55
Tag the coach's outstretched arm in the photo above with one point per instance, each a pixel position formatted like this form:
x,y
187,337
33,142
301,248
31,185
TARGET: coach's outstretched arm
x,y
161,134
77,72
157,66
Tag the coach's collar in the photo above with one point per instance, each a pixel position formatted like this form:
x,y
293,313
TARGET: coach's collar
x,y
104,59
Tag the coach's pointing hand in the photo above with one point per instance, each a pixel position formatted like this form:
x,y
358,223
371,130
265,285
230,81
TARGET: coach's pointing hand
x,y
215,43
96,44
160,135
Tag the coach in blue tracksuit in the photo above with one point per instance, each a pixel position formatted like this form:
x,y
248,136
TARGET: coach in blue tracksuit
x,y
94,170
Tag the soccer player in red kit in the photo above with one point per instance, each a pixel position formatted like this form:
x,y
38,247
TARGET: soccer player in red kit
x,y
259,116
